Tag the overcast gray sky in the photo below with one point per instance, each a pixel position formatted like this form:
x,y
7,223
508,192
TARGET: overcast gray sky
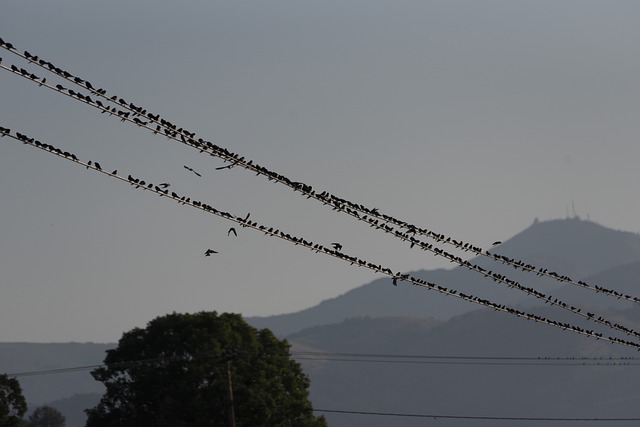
x,y
470,118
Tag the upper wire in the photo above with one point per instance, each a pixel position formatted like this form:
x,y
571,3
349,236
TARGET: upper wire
x,y
372,216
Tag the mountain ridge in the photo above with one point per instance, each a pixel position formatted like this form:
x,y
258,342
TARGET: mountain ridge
x,y
572,247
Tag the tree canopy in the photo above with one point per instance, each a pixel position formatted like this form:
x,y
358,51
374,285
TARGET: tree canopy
x,y
12,403
46,416
174,373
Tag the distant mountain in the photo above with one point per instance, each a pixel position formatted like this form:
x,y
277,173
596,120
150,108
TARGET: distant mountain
x,y
570,247
623,278
17,357
69,392
518,380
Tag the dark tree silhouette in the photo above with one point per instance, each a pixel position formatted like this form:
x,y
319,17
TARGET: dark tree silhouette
x,y
174,373
12,403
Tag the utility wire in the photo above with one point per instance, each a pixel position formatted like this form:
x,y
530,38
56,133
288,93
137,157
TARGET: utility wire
x,y
378,268
466,360
371,216
373,357
498,278
472,417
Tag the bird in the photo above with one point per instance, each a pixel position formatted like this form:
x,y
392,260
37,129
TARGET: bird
x,y
232,230
97,165
209,252
247,217
228,166
336,246
497,242
165,185
190,169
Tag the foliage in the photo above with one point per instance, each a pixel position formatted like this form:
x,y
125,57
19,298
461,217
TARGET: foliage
x,y
12,403
174,373
46,416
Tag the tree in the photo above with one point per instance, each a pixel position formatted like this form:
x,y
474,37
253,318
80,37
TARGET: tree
x,y
174,373
46,416
12,403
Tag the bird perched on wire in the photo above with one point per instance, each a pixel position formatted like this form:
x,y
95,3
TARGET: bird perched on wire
x,y
209,252
232,230
190,169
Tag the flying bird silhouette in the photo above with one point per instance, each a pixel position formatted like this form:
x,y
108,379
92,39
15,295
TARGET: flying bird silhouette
x,y
336,246
497,242
190,169
209,252
232,230
228,166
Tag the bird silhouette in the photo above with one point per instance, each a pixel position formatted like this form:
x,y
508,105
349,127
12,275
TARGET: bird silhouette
x,y
209,252
497,242
164,185
228,166
97,165
191,169
232,230
336,246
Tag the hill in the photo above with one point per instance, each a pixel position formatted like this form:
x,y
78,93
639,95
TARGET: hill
x,y
481,363
570,247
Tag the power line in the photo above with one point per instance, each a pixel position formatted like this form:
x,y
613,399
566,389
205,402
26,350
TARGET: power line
x,y
337,203
471,417
465,360
378,268
339,206
371,216
378,358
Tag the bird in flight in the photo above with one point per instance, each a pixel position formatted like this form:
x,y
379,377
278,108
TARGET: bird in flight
x,y
497,242
209,252
164,185
232,230
229,166
336,246
190,169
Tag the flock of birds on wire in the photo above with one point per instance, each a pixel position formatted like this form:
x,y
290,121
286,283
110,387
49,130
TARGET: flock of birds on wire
x,y
372,216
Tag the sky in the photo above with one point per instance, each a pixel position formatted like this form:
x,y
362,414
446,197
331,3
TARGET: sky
x,y
467,118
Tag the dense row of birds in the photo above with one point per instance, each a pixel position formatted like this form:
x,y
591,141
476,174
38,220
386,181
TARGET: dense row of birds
x,y
337,246
336,249
403,230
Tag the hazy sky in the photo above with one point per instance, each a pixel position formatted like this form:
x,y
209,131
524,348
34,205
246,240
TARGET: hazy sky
x,y
470,118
